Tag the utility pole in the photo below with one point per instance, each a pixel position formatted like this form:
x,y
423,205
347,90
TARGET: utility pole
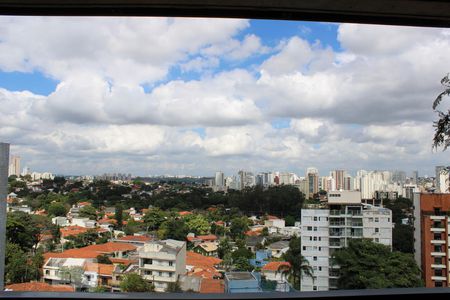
x,y
4,164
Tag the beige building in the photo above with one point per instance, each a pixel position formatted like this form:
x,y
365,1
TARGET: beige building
x,y
162,262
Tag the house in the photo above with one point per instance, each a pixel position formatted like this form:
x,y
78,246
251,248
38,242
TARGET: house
x,y
38,287
137,240
242,282
96,274
196,240
162,262
278,248
274,271
252,242
202,266
262,257
53,271
60,221
207,248
76,230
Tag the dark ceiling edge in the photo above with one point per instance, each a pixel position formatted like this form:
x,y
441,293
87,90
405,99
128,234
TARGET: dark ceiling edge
x,y
389,12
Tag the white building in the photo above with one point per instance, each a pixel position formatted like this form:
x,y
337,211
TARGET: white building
x,y
162,262
325,230
14,166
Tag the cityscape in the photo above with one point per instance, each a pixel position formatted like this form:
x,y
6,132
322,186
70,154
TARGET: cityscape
x,y
262,232
214,155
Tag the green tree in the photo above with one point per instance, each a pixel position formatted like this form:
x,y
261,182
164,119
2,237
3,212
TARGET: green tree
x,y
154,218
134,283
174,287
103,259
20,266
173,229
224,247
368,265
289,220
119,215
198,224
403,238
442,125
239,226
88,211
57,209
299,265
242,264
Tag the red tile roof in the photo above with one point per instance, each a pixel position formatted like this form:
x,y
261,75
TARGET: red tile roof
x,y
76,230
203,266
101,269
209,237
91,251
185,213
135,238
212,286
275,265
111,247
39,287
269,217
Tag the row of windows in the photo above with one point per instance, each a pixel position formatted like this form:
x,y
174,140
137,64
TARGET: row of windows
x,y
157,273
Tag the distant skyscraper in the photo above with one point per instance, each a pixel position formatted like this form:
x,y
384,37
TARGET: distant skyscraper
x,y
14,166
4,158
437,177
415,176
312,182
219,182
338,177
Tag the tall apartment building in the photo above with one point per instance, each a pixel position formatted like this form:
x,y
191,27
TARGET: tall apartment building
x,y
438,172
312,182
431,237
338,178
14,166
330,228
162,262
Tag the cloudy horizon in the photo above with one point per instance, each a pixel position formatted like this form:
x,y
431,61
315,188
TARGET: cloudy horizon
x,y
193,96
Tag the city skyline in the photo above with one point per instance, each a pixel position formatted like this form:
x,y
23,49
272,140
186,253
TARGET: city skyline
x,y
262,95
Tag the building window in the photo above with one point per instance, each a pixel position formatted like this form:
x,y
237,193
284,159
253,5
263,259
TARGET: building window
x,y
320,268
146,272
315,228
160,273
438,284
377,220
315,218
47,272
437,236
438,272
315,238
310,238
314,288
370,219
437,248
170,263
304,248
438,260
309,228
377,230
315,258
170,274
320,248
320,238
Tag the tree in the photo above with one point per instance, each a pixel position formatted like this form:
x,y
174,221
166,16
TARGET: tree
x,y
366,265
174,287
134,283
57,209
403,238
103,259
20,267
224,248
119,215
154,218
442,125
198,224
299,265
242,264
173,229
239,226
88,211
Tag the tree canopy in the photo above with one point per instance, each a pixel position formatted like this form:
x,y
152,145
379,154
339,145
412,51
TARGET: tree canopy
x,y
368,265
442,125
135,283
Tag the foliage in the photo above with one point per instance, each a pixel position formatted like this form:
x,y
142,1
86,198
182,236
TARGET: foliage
x,y
401,208
21,267
403,238
299,264
100,289
242,264
197,224
224,247
57,209
103,259
174,287
442,125
154,218
289,220
119,215
173,229
134,283
239,226
365,265
88,211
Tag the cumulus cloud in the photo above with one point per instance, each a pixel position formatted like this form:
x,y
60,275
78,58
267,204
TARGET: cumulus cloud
x,y
365,106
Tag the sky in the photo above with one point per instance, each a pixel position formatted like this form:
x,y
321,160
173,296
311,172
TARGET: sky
x,y
154,96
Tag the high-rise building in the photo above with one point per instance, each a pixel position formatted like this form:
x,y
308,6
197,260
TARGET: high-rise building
x,y
338,177
219,180
438,172
4,164
431,239
14,166
312,182
444,181
415,177
325,230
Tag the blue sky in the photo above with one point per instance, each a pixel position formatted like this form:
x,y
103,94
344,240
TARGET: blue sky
x,y
156,95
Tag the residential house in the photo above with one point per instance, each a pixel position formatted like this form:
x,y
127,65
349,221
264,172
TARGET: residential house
x,y
242,282
253,242
207,248
38,287
278,248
